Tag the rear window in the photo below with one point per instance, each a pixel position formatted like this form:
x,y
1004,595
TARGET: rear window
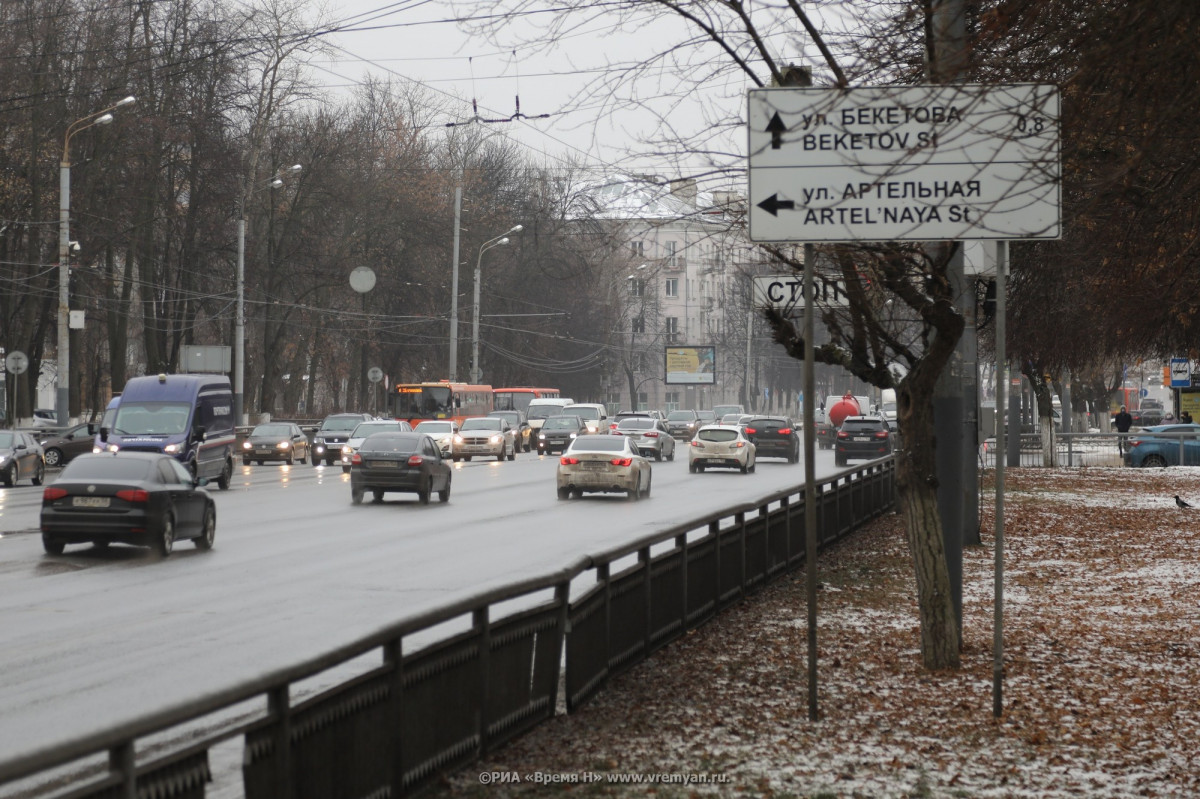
x,y
851,424
562,423
636,424
681,416
110,468
586,413
766,424
390,442
718,436
599,444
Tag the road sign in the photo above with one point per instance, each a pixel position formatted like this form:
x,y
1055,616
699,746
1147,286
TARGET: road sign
x,y
16,362
374,374
915,163
785,292
1181,373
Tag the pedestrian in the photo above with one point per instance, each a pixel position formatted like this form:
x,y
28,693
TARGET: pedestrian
x,y
1185,417
1122,421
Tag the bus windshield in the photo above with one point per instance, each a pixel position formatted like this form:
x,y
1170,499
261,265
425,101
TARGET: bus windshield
x,y
423,402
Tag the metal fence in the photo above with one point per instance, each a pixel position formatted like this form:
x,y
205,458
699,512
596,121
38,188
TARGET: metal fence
x,y
395,727
1095,449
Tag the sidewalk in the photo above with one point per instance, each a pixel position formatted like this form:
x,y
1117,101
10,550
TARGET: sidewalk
x,y
1102,655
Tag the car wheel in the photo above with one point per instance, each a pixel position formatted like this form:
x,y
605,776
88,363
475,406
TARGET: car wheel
x,y
444,494
6,476
671,457
166,537
39,472
467,458
305,458
226,475
745,469
658,455
53,457
356,495
424,491
646,494
52,546
1154,461
377,495
752,467
692,468
633,494
564,493
208,531
512,455
289,459
839,460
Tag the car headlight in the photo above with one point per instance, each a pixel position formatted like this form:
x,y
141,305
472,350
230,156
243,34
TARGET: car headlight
x,y
574,434
458,439
112,448
347,449
496,439
284,444
171,449
247,445
541,436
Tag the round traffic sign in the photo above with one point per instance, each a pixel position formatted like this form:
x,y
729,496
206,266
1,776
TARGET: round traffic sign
x,y
16,362
362,279
374,374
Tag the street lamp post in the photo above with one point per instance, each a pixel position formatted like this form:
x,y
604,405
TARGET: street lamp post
x,y
476,375
239,331
101,117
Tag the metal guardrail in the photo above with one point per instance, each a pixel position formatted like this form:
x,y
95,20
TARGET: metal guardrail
x,y
1081,449
395,728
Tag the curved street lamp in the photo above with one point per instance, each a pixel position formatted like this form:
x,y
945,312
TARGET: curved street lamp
x,y
101,117
500,240
239,334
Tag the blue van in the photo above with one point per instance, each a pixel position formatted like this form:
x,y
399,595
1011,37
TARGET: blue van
x,y
188,416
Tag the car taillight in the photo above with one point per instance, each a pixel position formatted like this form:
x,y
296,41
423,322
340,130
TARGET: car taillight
x,y
134,495
695,442
881,434
783,431
751,431
622,461
565,461
843,434
739,444
356,458
415,460
1133,442
51,494
651,434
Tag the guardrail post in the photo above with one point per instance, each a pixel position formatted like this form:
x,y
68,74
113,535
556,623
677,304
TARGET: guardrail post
x,y
479,621
785,505
393,654
121,758
647,599
714,529
279,707
740,520
681,543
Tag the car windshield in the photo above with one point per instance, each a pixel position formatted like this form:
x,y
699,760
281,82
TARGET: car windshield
x,y
152,418
435,428
106,468
512,416
681,416
542,411
731,418
586,413
717,436
599,444
271,430
481,423
367,428
636,424
343,424
6,440
391,442
562,423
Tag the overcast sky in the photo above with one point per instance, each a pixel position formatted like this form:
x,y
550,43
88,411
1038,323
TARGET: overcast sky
x,y
420,41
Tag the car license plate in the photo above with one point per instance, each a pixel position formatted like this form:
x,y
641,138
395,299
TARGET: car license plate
x,y
262,452
862,438
594,464
385,464
91,502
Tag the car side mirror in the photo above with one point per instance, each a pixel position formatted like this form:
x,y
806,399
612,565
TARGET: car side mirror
x,y
103,434
91,428
198,433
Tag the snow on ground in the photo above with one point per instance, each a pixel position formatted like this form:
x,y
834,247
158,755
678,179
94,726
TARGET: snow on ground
x,y
1102,664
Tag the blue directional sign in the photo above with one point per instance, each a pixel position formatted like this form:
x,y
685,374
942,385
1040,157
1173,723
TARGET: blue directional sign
x,y
1181,373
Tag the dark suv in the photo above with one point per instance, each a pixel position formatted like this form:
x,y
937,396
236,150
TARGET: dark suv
x,y
334,431
861,438
683,424
774,437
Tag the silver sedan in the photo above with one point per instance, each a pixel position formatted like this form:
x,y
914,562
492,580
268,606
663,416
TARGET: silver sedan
x,y
649,435
603,464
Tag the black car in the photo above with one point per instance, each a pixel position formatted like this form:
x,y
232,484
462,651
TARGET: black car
x,y
335,431
521,428
145,499
275,441
59,449
861,438
774,437
557,433
683,424
20,458
409,462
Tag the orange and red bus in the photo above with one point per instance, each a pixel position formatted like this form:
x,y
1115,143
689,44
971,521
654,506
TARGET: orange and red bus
x,y
416,402
518,399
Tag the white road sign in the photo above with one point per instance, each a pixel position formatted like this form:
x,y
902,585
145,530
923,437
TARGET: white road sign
x,y
917,163
786,292
1181,373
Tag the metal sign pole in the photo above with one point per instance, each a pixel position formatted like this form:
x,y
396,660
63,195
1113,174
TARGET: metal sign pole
x,y
1001,388
810,486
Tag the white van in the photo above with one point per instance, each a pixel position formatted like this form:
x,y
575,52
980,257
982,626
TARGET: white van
x,y
594,415
540,408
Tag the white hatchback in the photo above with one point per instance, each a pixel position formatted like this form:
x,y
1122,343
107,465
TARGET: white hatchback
x,y
721,446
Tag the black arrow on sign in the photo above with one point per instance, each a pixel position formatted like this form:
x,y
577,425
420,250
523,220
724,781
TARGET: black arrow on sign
x,y
776,128
772,205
